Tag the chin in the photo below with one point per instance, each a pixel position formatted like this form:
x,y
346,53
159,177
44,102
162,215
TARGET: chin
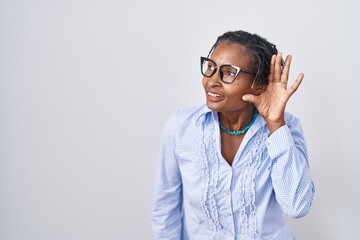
x,y
221,107
214,106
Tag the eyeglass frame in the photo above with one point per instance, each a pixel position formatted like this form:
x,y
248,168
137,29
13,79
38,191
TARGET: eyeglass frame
x,y
238,69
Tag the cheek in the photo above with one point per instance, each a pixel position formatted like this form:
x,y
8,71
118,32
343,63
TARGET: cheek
x,y
243,87
237,96
236,92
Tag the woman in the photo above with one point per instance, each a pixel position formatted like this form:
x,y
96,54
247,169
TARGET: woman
x,y
230,169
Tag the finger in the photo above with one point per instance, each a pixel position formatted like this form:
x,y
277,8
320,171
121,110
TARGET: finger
x,y
296,84
277,68
272,64
286,69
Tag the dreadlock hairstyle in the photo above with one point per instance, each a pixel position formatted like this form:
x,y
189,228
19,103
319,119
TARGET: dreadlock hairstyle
x,y
260,49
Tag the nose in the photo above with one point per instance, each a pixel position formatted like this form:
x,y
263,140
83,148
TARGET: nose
x,y
214,80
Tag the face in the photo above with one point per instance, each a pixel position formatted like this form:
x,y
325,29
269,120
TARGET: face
x,y
222,97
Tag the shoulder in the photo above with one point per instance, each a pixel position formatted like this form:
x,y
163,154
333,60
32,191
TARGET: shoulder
x,y
184,118
291,119
188,115
293,122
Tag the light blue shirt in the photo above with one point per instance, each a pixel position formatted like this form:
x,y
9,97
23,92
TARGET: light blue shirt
x,y
199,196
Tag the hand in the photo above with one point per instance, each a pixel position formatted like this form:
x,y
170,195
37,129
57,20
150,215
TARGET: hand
x,y
271,103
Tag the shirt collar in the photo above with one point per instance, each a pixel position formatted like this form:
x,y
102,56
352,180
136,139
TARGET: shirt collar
x,y
203,112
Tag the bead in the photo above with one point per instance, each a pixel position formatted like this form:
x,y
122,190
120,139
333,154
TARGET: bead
x,y
240,131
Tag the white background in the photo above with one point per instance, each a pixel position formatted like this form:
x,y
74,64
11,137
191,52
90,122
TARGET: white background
x,y
85,88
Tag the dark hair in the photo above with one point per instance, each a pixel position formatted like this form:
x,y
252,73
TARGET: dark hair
x,y
260,49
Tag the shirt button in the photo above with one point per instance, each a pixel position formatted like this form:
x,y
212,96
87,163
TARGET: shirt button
x,y
228,193
229,214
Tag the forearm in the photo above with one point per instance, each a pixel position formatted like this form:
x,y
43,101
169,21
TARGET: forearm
x,y
290,174
167,215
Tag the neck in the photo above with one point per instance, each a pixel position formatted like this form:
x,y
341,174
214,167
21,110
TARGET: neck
x,y
236,121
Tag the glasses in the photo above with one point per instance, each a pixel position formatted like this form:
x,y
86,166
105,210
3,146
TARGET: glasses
x,y
227,72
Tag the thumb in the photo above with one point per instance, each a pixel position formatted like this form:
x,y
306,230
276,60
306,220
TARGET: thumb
x,y
250,98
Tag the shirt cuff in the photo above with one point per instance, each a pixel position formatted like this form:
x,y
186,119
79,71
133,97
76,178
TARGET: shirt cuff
x,y
279,141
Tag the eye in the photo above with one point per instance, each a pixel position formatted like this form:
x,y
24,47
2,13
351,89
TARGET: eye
x,y
211,67
208,68
229,73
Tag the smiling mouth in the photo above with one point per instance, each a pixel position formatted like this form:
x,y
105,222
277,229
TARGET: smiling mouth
x,y
214,95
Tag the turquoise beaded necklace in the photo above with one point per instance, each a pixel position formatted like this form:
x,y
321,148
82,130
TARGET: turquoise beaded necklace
x,y
240,131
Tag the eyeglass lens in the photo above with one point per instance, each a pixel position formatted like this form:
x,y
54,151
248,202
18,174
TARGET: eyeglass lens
x,y
227,72
208,68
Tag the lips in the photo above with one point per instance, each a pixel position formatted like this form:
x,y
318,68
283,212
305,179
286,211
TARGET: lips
x,y
214,94
214,97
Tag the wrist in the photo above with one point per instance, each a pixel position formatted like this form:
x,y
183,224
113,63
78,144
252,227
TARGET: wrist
x,y
275,125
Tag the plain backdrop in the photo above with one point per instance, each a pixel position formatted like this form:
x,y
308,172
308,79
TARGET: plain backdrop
x,y
86,86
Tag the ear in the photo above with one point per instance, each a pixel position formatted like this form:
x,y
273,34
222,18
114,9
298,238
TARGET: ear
x,y
257,88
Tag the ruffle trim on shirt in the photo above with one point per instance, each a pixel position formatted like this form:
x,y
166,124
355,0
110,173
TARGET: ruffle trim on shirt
x,y
210,167
210,173
248,221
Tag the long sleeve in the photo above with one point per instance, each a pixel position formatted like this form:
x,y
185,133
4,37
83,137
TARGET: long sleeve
x,y
290,173
167,206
